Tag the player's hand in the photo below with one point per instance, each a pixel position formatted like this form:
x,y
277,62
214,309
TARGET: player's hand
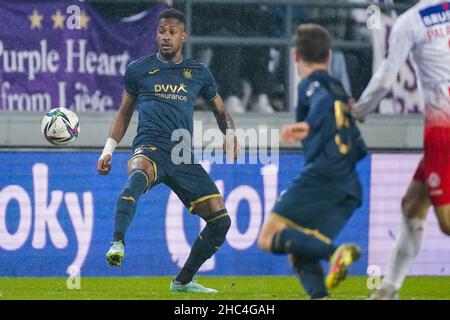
x,y
287,133
351,103
104,164
294,132
353,110
231,148
358,118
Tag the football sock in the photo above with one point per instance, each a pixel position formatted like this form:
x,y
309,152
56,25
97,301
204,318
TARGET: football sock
x,y
407,246
293,241
311,276
206,244
127,202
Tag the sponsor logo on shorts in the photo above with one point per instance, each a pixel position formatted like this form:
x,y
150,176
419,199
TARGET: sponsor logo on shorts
x,y
437,192
434,180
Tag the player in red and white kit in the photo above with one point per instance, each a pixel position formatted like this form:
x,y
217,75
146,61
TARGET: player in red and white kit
x,y
424,32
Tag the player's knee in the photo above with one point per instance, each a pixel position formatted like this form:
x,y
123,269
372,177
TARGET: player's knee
x,y
219,228
411,208
406,207
143,165
262,243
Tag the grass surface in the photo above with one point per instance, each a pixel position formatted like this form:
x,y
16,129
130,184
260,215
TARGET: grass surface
x,y
230,287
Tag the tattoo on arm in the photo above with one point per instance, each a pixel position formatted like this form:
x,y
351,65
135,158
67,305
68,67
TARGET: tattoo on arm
x,y
226,125
224,120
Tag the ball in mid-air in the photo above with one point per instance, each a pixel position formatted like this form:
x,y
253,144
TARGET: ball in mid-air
x,y
60,126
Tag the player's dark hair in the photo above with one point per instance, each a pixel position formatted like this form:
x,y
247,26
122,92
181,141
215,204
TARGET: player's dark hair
x,y
313,42
173,13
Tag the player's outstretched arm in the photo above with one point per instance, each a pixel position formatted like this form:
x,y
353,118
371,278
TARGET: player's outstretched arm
x,y
401,41
118,128
295,132
226,125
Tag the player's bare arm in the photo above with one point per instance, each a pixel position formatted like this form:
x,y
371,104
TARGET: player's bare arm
x,y
295,132
118,128
226,125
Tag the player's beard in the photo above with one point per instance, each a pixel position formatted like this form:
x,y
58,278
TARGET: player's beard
x,y
167,54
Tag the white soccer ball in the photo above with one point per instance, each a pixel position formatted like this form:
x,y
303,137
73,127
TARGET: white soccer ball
x,y
60,126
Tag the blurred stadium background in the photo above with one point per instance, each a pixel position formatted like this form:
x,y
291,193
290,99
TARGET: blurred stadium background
x,y
57,213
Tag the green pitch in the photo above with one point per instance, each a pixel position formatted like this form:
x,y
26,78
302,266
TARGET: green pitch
x,y
230,287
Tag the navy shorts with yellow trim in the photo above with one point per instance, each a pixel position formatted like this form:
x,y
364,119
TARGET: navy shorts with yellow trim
x,y
314,208
190,182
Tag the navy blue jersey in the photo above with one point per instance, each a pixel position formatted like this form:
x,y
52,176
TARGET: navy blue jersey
x,y
334,144
165,94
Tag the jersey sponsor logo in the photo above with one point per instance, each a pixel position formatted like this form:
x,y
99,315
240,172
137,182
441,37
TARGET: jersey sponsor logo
x,y
187,73
169,88
436,15
438,32
171,91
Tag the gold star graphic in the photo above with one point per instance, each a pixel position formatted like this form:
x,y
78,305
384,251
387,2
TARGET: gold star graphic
x,y
84,20
58,20
36,20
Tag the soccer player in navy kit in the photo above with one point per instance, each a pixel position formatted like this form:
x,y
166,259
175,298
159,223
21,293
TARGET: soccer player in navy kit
x,y
164,87
314,209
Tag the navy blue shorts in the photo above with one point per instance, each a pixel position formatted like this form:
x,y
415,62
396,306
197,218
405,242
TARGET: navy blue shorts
x,y
314,208
190,182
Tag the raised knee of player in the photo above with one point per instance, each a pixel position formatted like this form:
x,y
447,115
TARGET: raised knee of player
x,y
271,228
138,182
264,241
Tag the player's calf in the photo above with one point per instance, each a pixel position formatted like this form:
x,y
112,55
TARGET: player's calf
x,y
311,275
126,204
207,243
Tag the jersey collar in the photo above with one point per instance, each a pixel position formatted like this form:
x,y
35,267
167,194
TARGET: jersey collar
x,y
181,60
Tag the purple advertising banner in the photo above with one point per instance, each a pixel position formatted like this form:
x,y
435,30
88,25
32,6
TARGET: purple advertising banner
x,y
65,54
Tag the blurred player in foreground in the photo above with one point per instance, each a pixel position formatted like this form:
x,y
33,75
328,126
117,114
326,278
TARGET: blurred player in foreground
x,y
164,87
423,30
314,209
